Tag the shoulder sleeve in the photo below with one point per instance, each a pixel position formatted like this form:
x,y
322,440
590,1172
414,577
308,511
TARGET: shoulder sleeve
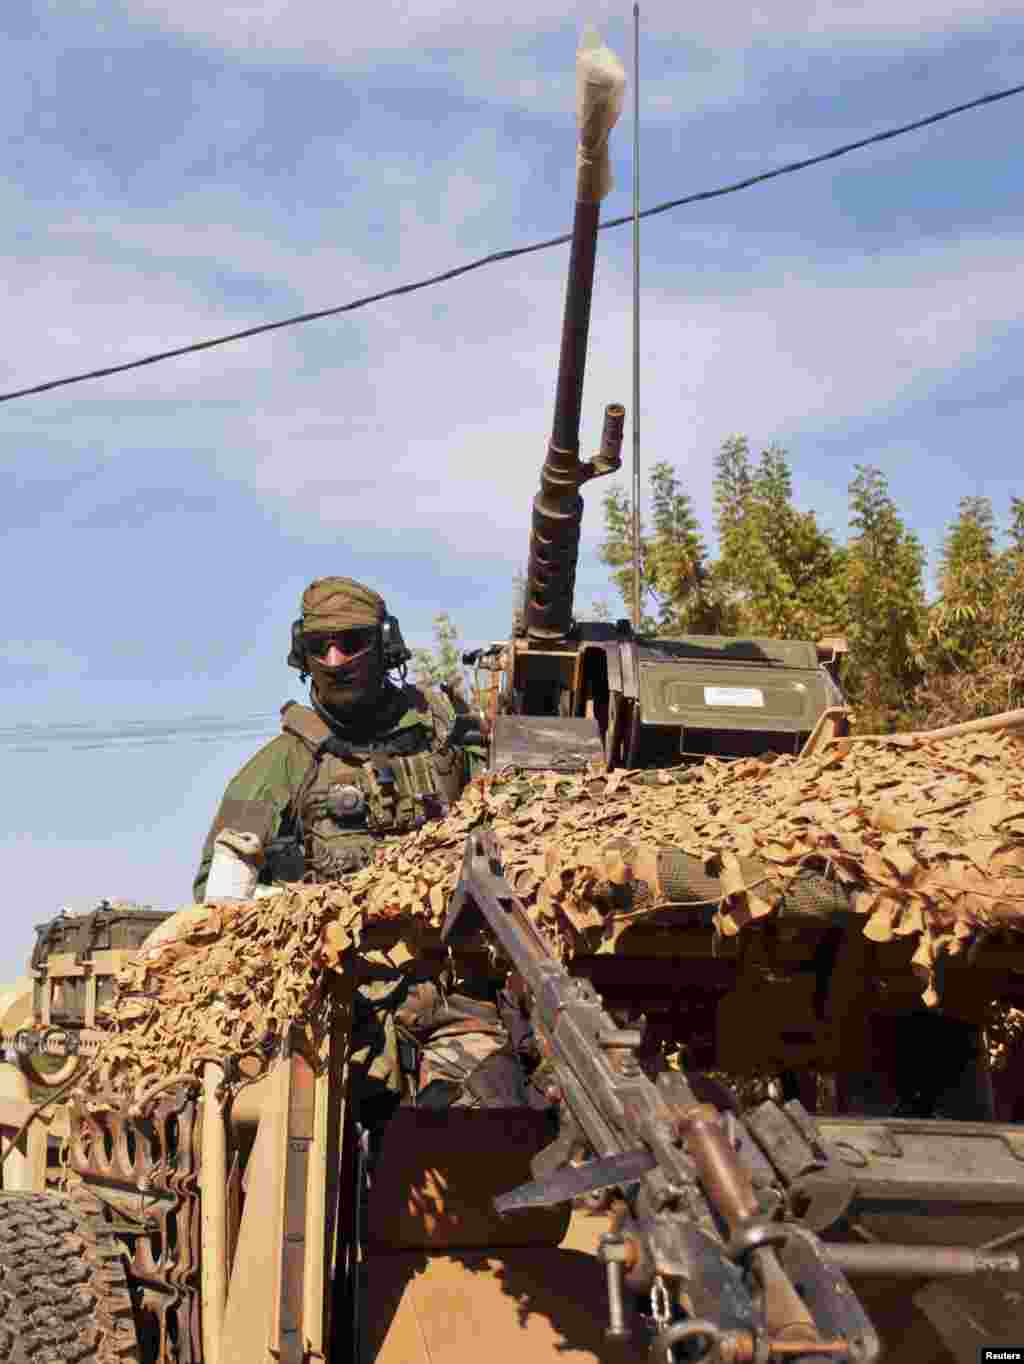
x,y
257,797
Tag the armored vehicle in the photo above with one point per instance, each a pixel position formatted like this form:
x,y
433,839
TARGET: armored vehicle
x,y
233,1208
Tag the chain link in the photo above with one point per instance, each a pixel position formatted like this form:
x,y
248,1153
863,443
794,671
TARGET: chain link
x,y
660,1306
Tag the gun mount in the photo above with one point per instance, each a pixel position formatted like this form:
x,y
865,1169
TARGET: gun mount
x,y
558,513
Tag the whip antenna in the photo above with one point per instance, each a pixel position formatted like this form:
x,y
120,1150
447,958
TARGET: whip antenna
x,y
636,317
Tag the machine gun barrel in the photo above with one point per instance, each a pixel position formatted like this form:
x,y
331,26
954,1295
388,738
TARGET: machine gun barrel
x,y
572,360
558,507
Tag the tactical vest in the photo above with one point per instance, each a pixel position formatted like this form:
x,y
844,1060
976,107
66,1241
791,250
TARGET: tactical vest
x,y
359,792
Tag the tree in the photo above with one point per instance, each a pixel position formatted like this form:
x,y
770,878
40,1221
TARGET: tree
x,y
674,581
975,644
616,550
1008,617
885,612
961,627
779,572
444,663
678,559
519,582
733,483
1016,531
1010,608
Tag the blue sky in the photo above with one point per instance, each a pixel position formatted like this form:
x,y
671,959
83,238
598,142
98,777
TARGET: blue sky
x,y
176,170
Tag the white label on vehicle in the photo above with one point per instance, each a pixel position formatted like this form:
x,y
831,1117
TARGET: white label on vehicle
x,y
733,696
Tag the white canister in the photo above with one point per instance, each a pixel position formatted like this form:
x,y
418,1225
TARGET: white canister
x,y
237,858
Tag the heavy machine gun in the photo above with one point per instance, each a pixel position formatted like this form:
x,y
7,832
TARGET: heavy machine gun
x,y
718,1216
561,690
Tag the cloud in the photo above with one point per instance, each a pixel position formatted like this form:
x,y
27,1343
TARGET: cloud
x,y
454,431
88,312
27,658
423,421
518,59
317,30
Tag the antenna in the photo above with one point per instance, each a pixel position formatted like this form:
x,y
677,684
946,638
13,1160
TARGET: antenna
x,y
636,317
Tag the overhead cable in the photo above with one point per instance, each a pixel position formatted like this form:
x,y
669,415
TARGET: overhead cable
x,y
701,196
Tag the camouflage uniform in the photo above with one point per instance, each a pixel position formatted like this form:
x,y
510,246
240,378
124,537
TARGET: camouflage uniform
x,y
467,1052
284,793
321,796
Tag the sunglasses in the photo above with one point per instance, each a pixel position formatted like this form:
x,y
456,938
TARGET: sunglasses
x,y
348,642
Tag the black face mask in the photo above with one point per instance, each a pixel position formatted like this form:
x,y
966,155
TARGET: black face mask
x,y
354,685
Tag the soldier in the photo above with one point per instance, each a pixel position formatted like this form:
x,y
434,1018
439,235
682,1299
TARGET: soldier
x,y
370,760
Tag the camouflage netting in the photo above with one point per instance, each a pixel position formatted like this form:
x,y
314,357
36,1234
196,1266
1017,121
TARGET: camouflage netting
x,y
928,835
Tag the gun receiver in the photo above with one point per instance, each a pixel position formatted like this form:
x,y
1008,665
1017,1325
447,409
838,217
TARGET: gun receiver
x,y
711,1205
697,1219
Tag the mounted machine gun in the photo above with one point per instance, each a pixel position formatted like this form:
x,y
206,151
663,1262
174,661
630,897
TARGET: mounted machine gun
x,y
564,691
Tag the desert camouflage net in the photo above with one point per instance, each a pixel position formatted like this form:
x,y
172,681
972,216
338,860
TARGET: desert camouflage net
x,y
928,836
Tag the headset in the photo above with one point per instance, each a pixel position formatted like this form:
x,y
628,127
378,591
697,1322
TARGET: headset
x,y
394,650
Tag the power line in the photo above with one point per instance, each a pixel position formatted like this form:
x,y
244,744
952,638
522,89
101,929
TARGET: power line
x,y
700,197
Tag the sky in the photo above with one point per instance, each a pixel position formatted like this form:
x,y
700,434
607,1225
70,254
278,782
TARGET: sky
x,y
177,170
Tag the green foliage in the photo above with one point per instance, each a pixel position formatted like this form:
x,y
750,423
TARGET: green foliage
x,y
519,590
885,606
1009,605
1016,531
779,572
678,558
444,663
675,595
616,551
961,627
733,483
975,644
